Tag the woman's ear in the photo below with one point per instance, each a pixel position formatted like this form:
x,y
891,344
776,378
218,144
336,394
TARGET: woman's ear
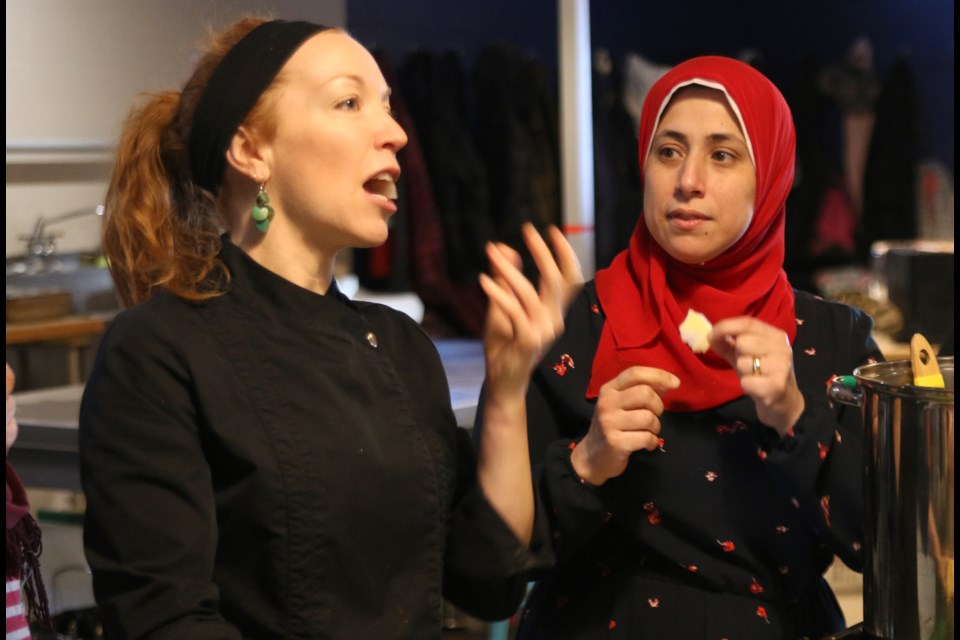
x,y
248,155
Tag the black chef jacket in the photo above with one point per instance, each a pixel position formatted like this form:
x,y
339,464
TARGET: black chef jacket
x,y
273,463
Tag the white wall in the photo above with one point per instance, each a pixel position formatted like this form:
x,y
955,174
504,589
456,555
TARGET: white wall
x,y
73,70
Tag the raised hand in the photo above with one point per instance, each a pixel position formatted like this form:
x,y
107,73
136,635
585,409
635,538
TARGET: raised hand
x,y
627,419
522,322
763,358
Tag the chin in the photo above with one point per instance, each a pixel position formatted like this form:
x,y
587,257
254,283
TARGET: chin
x,y
373,239
689,257
690,250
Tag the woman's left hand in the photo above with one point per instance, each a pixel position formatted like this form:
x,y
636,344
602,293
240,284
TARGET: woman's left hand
x,y
12,427
763,358
523,322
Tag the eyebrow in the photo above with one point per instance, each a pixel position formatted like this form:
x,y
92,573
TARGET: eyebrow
x,y
713,138
359,80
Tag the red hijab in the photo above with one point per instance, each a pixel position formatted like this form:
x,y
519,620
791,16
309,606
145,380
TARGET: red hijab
x,y
646,294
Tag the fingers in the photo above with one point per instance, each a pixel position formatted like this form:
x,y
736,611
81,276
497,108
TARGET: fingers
x,y
637,440
640,397
740,340
567,258
561,265
762,356
624,428
524,320
512,256
504,264
735,330
626,419
661,381
529,312
541,254
505,313
545,308
552,292
560,274
499,298
632,402
758,352
560,277
723,338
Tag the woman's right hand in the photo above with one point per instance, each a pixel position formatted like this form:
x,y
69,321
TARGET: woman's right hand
x,y
627,419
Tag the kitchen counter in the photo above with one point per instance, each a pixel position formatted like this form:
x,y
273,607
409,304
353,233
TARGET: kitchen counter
x,y
46,452
65,328
74,332
463,363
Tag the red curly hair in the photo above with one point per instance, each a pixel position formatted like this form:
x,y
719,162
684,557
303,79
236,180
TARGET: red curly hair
x,y
160,230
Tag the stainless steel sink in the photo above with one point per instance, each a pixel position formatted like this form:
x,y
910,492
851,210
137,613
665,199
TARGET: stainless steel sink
x,y
90,286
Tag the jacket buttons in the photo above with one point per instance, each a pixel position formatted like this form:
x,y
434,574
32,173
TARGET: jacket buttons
x,y
372,339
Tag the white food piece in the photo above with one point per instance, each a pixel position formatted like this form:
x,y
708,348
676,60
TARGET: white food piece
x,y
694,331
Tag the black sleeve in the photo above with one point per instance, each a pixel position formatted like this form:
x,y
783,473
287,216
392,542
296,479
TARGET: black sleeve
x,y
821,460
150,530
486,568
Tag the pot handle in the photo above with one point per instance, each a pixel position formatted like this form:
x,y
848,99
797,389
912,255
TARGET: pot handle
x,y
845,390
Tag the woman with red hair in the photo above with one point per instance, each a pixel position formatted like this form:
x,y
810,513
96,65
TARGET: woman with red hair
x,y
263,457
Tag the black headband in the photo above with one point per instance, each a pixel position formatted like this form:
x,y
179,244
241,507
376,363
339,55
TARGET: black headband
x,y
234,88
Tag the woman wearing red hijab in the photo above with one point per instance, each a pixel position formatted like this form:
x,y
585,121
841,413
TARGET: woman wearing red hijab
x,y
700,494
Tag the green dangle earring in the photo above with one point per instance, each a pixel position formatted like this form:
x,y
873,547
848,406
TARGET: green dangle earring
x,y
262,212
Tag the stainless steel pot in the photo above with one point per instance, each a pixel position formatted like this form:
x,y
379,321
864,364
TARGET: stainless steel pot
x,y
908,539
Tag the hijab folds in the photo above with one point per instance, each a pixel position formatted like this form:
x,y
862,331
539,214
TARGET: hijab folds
x,y
646,294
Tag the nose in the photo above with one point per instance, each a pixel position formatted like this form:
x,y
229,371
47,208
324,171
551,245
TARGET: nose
x,y
692,176
393,135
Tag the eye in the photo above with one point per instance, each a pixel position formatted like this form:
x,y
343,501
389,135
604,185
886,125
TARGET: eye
x,y
723,156
349,104
667,153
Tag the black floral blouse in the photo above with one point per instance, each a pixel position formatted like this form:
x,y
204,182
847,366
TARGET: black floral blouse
x,y
726,530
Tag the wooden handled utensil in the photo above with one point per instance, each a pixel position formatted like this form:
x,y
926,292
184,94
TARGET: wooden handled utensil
x,y
926,371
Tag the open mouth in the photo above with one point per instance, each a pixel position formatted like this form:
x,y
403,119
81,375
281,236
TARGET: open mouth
x,y
381,185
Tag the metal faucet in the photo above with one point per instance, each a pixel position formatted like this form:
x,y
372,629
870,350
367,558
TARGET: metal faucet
x,y
41,244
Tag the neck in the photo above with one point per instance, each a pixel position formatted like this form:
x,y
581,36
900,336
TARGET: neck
x,y
290,258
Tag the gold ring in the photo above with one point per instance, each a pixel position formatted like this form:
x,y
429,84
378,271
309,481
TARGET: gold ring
x,y
755,368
